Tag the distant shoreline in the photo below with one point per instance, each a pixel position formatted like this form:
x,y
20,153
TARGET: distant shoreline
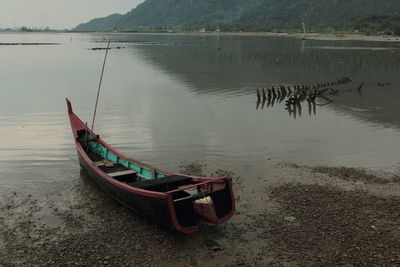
x,y
353,37
309,36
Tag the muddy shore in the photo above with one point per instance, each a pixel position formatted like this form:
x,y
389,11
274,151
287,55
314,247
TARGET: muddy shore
x,y
297,215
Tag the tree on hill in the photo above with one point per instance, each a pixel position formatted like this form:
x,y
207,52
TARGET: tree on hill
x,y
396,30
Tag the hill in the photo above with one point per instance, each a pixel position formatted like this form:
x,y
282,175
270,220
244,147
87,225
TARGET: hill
x,y
318,15
100,24
253,15
158,14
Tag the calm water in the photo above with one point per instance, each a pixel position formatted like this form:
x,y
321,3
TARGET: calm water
x,y
170,98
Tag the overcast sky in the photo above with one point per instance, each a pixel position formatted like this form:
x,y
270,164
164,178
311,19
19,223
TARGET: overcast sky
x,y
58,14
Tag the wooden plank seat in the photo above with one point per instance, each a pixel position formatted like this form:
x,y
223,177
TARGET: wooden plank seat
x,y
94,139
98,163
173,180
104,162
121,173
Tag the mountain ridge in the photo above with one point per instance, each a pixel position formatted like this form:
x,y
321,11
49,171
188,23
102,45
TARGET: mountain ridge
x,y
253,15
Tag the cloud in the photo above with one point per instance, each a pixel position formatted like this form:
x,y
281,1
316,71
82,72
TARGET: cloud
x,y
58,14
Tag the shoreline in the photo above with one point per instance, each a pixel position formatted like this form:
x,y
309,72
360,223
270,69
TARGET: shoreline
x,y
295,215
309,36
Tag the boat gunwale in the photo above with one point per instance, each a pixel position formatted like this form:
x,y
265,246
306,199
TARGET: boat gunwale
x,y
132,189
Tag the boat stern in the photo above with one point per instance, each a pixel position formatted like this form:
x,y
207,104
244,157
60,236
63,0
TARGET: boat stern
x,y
217,206
211,202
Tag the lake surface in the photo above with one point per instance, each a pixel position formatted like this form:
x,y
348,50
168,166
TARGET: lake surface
x,y
172,98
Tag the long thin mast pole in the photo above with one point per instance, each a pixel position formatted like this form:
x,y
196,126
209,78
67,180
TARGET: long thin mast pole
x,y
101,80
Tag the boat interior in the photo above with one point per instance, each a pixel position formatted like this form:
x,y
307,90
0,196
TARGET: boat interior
x,y
193,199
135,175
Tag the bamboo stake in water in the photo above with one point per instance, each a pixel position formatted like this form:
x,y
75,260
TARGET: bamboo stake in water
x,y
101,79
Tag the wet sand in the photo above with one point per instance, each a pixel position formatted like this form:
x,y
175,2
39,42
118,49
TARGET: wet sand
x,y
298,215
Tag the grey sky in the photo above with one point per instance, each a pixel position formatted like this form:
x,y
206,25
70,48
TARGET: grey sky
x,y
58,14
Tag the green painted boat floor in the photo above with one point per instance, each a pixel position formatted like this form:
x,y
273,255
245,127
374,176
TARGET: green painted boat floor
x,y
98,152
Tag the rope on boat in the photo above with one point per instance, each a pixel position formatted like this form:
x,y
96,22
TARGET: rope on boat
x,y
101,79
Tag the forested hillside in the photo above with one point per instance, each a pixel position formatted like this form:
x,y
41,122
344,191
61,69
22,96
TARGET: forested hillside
x,y
317,14
183,13
255,15
100,24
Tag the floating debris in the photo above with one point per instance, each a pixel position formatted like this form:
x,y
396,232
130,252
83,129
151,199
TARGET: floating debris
x,y
360,87
383,84
105,48
6,44
131,41
295,95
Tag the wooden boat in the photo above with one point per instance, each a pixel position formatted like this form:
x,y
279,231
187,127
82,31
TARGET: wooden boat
x,y
172,199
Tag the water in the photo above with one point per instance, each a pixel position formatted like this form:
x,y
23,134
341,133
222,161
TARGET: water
x,y
170,98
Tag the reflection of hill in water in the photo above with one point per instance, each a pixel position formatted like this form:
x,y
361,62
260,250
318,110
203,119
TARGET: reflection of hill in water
x,y
236,65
